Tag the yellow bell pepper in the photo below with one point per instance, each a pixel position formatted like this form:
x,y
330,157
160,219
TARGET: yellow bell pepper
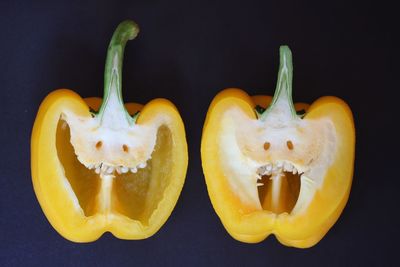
x,y
104,166
275,171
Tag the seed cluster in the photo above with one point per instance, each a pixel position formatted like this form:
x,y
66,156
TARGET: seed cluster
x,y
276,168
108,169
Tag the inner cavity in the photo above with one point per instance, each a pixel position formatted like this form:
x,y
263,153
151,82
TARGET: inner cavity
x,y
84,182
138,194
279,191
134,194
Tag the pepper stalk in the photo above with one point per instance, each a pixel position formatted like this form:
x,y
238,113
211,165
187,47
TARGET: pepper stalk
x,y
112,110
282,102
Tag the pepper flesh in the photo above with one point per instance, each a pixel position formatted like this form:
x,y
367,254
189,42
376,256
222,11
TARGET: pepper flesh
x,y
297,218
82,204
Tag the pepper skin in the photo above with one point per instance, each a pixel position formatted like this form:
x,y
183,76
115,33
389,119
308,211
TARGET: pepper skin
x,y
275,171
99,165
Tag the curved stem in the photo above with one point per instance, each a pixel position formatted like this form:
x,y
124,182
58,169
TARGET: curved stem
x,y
126,30
282,101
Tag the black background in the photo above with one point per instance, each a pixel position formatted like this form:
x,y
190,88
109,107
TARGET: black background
x,y
187,52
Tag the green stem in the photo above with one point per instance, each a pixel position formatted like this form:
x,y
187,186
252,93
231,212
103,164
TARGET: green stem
x,y
126,30
283,92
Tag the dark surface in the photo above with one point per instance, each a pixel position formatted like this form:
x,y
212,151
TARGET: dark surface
x,y
187,52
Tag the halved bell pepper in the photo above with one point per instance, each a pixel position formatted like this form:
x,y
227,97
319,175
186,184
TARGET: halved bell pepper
x,y
99,165
272,167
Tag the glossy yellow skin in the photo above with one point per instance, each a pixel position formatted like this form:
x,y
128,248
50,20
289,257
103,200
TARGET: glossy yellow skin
x,y
49,180
249,225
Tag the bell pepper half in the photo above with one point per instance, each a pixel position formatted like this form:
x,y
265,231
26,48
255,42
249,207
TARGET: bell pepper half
x,y
99,165
272,167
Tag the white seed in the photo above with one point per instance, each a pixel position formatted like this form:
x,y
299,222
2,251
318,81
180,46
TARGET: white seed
x,y
124,169
269,167
118,169
110,170
142,165
97,170
261,170
288,167
104,167
133,170
260,184
294,170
